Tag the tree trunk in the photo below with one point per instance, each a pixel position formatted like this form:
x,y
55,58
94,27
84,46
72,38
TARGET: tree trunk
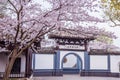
x,y
9,65
8,69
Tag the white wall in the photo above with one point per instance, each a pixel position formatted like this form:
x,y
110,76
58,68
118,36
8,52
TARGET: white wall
x,y
63,53
23,63
44,61
98,62
3,60
115,60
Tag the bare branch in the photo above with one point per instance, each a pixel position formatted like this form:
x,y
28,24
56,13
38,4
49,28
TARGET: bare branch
x,y
56,9
13,5
115,24
32,47
19,14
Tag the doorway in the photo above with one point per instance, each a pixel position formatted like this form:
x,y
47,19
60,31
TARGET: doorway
x,y
71,64
16,66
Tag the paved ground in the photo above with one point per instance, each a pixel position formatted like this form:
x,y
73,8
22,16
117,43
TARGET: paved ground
x,y
75,77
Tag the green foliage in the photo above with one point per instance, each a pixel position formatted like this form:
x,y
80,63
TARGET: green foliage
x,y
111,9
112,4
105,39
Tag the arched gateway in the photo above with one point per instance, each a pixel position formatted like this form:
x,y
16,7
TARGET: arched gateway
x,y
71,63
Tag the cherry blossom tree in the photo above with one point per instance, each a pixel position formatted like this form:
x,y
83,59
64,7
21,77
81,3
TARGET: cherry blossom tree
x,y
25,21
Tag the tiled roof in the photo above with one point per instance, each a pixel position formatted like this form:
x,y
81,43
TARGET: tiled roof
x,y
99,48
47,50
3,50
104,52
70,33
